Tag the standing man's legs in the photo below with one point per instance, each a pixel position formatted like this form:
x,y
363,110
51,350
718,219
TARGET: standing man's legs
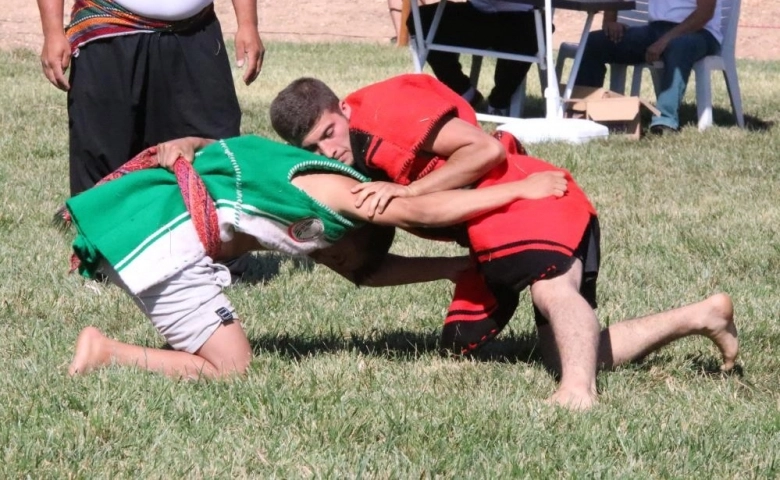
x,y
678,58
190,88
132,92
105,83
570,347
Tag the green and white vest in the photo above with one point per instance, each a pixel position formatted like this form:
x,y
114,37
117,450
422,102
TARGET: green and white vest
x,y
138,223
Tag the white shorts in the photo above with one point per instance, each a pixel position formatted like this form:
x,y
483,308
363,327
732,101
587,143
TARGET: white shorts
x,y
187,308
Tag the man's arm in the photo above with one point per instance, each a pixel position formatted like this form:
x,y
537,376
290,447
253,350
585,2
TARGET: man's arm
x,y
470,154
55,54
703,13
249,46
397,270
611,27
435,209
610,16
362,257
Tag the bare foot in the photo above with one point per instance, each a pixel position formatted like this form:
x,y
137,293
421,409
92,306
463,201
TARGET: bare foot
x,y
573,400
719,327
90,352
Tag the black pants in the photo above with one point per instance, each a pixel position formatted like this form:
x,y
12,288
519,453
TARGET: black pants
x,y
131,92
465,26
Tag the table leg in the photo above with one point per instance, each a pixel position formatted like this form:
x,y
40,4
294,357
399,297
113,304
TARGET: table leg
x,y
552,94
578,56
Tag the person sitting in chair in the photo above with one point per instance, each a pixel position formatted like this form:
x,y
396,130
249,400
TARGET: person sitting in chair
x,y
680,33
506,27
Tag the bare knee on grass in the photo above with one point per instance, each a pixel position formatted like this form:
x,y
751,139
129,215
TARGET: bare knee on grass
x,y
227,350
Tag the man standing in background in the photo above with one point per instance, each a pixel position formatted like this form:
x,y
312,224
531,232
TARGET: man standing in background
x,y
143,72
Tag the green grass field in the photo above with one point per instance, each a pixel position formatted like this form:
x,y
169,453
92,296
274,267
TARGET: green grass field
x,y
347,382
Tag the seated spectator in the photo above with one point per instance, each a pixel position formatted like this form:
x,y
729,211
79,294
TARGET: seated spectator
x,y
680,33
485,24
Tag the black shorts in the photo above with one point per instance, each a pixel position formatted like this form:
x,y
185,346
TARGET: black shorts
x,y
519,271
134,91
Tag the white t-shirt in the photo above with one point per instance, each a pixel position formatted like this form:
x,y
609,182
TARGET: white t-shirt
x,y
678,10
495,6
165,9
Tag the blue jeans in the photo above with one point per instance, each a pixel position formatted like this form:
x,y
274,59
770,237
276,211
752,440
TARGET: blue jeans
x,y
679,57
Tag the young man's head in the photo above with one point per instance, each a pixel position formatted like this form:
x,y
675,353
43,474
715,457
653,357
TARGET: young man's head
x,y
308,114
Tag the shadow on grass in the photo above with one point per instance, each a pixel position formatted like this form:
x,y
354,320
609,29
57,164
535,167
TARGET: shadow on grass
x,y
709,366
723,117
535,107
396,345
263,267
698,364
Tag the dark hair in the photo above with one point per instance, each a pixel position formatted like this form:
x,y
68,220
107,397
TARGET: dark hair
x,y
297,108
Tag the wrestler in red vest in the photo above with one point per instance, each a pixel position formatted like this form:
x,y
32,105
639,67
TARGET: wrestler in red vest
x,y
515,245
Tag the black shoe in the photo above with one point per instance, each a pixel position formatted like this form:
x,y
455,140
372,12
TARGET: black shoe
x,y
499,111
662,130
478,103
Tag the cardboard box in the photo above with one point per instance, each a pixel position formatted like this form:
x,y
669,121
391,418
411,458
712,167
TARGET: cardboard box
x,y
617,112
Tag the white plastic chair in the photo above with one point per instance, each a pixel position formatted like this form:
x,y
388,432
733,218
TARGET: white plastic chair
x,y
725,62
617,72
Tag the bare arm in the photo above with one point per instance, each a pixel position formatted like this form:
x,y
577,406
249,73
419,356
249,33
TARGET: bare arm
x,y
397,270
611,27
55,54
249,46
610,16
394,269
362,257
435,209
703,13
470,154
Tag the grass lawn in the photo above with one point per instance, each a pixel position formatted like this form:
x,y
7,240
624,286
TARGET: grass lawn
x,y
347,382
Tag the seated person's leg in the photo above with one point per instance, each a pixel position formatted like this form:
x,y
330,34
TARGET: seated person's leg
x,y
600,51
678,58
511,32
460,25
